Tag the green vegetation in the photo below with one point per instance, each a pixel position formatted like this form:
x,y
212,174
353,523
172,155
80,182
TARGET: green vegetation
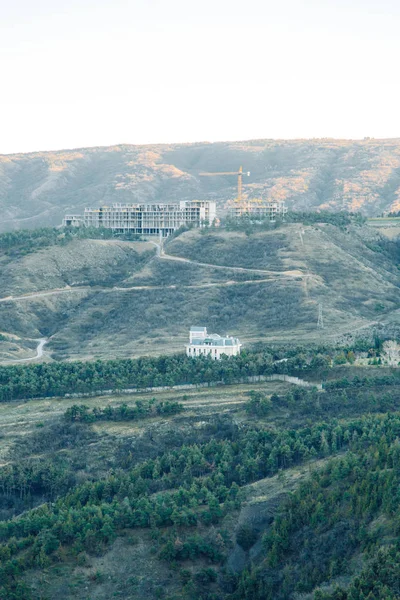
x,y
88,518
213,248
249,224
123,412
57,379
185,498
26,241
328,518
243,488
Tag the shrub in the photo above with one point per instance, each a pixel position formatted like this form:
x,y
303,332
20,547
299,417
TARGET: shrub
x,y
246,537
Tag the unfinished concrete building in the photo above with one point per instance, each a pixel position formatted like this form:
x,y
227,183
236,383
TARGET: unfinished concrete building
x,y
258,209
147,219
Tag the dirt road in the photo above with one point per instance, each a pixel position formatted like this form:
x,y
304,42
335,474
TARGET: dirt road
x,y
272,276
39,353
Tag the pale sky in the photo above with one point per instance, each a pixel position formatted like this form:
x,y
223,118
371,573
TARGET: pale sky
x,y
77,73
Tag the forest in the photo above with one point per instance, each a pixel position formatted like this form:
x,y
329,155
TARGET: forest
x,y
82,377
180,491
347,436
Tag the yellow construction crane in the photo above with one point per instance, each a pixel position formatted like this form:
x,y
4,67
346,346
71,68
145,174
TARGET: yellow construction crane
x,y
239,174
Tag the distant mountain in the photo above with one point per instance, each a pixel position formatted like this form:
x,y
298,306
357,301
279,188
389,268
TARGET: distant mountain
x,y
38,188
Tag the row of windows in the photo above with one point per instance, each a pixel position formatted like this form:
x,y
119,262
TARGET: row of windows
x,y
203,351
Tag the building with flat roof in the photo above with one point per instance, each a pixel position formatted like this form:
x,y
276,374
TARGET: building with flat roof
x,y
256,208
203,344
147,219
72,221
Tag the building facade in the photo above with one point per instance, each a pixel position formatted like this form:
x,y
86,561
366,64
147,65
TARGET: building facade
x,y
72,221
259,209
147,219
203,344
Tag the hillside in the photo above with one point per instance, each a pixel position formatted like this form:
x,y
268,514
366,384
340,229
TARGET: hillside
x,y
272,475
105,298
36,189
261,491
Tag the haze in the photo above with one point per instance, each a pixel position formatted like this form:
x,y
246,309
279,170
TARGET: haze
x,y
88,73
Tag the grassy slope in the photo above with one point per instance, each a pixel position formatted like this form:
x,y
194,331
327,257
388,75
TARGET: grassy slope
x,y
79,263
38,188
356,285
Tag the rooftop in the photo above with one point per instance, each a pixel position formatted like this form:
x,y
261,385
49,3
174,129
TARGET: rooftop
x,y
215,340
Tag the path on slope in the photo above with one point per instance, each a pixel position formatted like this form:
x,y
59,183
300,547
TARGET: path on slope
x,y
295,273
272,276
39,354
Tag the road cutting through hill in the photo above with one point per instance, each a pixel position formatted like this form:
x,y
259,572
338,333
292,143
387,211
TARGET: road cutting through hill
x,y
275,276
163,256
39,353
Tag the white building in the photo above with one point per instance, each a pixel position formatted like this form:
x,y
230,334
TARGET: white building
x,y
147,219
256,208
202,343
72,221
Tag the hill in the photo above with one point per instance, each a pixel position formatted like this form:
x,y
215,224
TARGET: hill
x,y
37,189
262,490
102,298
272,475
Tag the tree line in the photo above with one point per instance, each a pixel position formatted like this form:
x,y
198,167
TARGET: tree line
x,y
123,412
26,241
58,379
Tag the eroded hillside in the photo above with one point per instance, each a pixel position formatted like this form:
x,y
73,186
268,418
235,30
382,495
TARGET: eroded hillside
x,y
37,189
104,298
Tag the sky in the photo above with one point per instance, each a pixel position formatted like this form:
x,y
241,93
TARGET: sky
x,y
99,72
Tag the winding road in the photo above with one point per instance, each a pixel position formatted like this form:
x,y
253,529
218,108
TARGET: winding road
x,y
39,353
296,273
272,276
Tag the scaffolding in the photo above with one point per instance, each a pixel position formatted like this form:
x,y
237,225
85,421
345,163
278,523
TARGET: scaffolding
x,y
147,219
258,209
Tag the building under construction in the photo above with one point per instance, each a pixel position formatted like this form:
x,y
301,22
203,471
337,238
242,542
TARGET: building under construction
x,y
146,219
255,208
164,219
258,209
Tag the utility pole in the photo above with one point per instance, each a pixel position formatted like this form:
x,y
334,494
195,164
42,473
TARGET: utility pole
x,y
320,324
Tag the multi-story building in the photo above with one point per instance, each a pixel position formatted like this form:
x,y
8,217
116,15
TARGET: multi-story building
x,y
258,209
201,343
147,219
72,221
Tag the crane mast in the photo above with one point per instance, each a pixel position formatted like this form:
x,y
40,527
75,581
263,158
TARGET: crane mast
x,y
239,173
256,206
240,184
